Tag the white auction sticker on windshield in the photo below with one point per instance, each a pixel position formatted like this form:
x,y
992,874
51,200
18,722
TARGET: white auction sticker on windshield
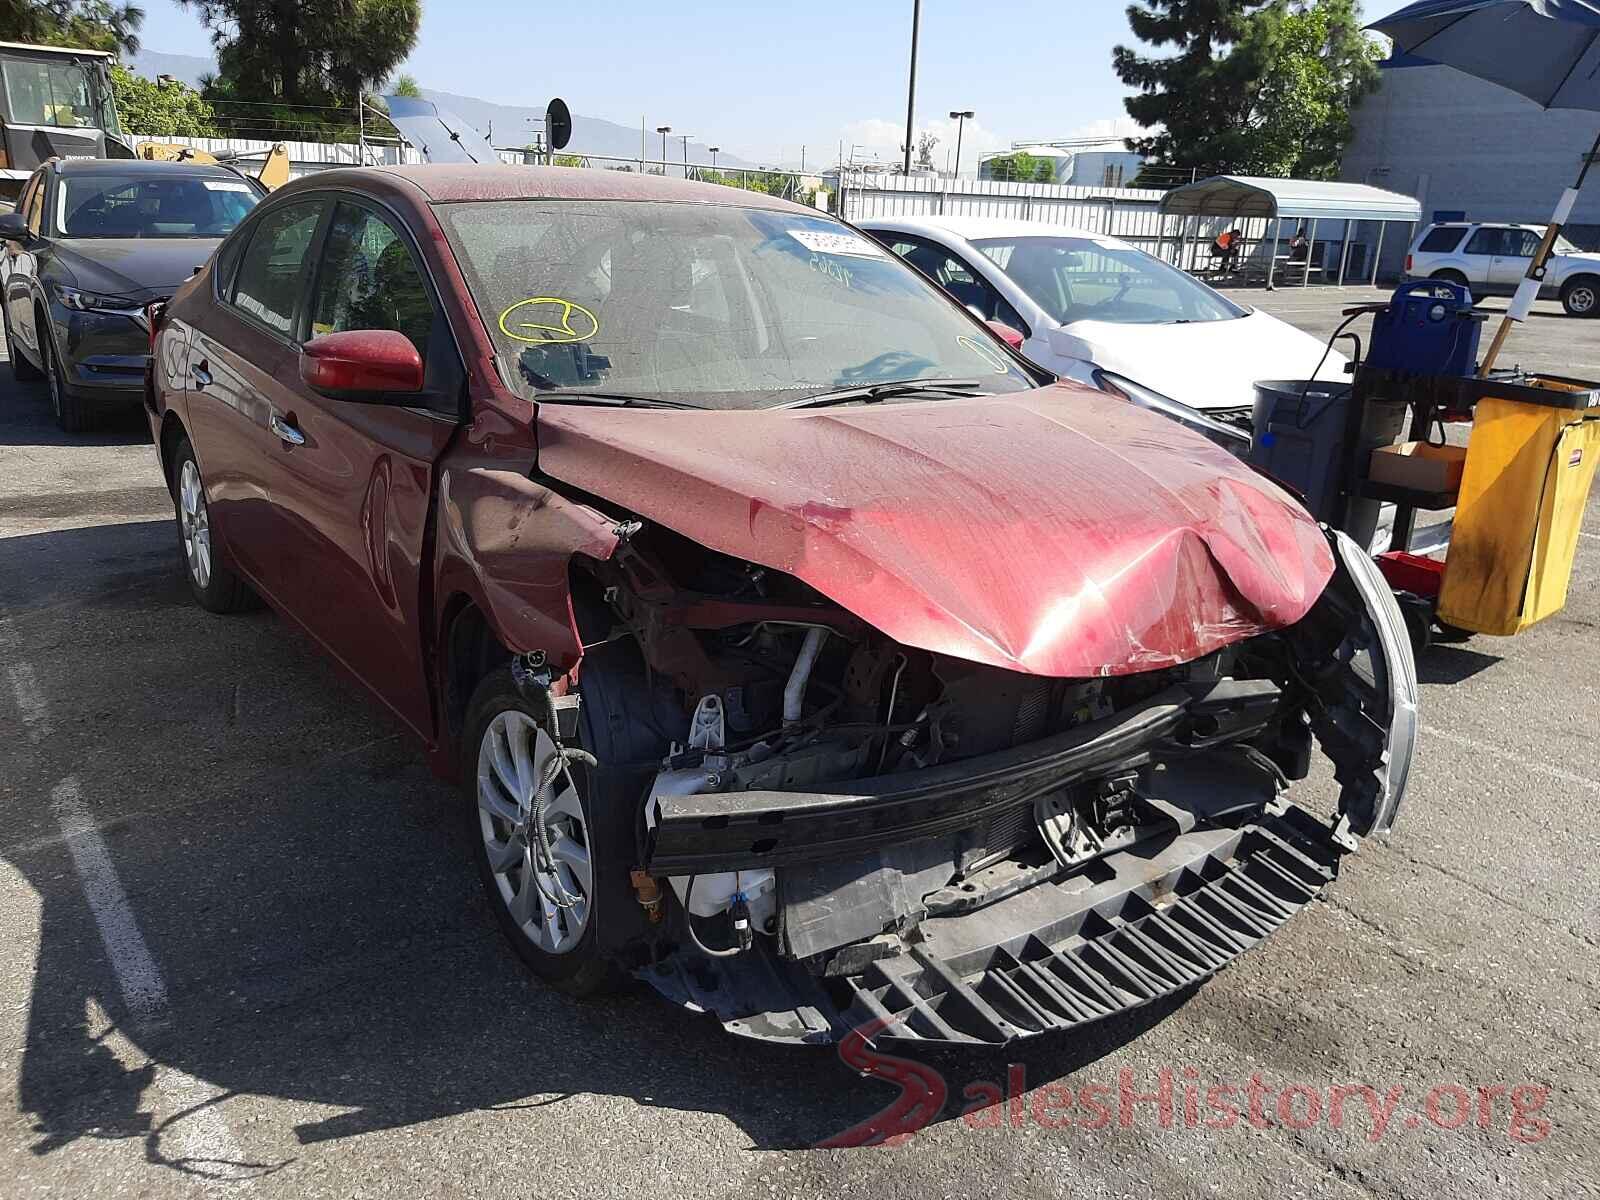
x,y
818,242
225,185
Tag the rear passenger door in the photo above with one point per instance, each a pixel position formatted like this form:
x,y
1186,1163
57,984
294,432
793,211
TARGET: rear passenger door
x,y
1479,254
350,481
244,367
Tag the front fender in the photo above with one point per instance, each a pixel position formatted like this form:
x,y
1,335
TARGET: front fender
x,y
505,541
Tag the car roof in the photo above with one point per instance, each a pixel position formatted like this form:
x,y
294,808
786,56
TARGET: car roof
x,y
445,183
1483,225
139,166
976,228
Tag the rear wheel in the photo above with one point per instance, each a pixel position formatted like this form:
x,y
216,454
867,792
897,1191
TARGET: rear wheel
x,y
1580,297
1450,277
216,588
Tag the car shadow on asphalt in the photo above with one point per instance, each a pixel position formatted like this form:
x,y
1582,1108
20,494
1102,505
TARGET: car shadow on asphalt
x,y
26,420
306,892
1446,663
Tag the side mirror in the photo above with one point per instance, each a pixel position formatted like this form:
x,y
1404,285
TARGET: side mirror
x,y
1011,337
367,366
14,228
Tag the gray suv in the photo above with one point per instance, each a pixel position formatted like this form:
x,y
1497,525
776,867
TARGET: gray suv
x,y
92,243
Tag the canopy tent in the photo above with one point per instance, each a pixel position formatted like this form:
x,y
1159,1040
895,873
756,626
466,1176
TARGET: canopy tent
x,y
1241,197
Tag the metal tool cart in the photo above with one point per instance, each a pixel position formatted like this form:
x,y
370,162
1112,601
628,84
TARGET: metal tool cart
x,y
1518,486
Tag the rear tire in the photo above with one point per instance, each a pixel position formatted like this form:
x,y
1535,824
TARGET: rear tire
x,y
214,585
1580,297
73,414
22,368
1448,276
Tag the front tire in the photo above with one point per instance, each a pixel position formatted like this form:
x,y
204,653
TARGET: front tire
x,y
72,412
214,585
547,908
626,721
1580,297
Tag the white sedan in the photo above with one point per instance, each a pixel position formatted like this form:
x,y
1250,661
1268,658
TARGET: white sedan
x,y
1101,311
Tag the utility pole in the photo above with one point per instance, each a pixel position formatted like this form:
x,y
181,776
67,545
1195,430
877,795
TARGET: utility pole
x,y
911,87
685,138
961,119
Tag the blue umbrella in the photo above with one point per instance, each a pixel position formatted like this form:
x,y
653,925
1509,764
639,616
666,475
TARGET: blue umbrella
x,y
1546,50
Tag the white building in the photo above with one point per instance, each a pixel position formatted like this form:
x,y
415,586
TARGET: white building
x,y
1468,149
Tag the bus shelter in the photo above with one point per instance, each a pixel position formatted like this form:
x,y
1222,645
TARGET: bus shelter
x,y
1312,205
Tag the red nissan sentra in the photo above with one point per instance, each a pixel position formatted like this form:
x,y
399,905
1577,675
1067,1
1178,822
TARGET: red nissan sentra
x,y
798,647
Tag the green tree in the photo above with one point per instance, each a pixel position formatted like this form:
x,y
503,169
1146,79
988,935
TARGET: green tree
x,y
160,109
1198,97
300,64
92,24
407,86
1020,167
1251,87
1320,66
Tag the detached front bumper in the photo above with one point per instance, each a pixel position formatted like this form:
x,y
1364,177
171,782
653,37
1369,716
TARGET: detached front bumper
x,y
913,908
1141,926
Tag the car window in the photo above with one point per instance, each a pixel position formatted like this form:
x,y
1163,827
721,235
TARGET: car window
x,y
49,93
1093,279
272,270
146,206
1441,240
34,214
368,280
1485,241
955,276
708,305
1521,243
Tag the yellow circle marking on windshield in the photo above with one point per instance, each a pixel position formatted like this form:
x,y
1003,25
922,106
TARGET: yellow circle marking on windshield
x,y
542,320
987,353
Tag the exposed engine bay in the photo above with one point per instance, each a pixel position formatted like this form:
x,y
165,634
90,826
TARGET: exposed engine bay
x,y
842,829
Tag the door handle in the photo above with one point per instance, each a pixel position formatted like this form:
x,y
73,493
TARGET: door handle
x,y
285,432
199,373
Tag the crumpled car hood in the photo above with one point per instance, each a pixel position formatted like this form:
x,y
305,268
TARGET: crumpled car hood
x,y
1058,532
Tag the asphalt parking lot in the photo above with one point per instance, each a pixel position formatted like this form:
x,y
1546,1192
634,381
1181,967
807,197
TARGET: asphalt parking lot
x,y
242,947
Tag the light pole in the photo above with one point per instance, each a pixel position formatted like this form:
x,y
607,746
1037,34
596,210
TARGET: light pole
x,y
686,137
663,130
961,119
713,150
911,87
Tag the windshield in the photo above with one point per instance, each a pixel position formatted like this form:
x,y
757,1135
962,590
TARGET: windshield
x,y
1089,279
708,305
60,94
151,206
1562,246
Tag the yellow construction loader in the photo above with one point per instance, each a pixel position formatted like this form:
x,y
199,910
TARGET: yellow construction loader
x,y
274,172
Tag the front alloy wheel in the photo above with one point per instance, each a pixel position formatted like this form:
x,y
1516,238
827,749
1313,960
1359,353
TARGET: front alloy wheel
x,y
535,839
1581,298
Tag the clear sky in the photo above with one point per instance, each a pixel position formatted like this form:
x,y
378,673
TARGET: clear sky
x,y
763,79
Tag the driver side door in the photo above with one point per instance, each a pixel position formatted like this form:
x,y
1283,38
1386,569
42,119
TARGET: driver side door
x,y
351,481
